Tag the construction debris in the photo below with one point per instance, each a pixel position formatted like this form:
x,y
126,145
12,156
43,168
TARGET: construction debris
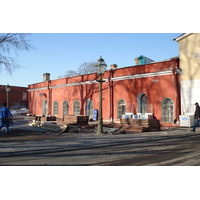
x,y
65,129
76,119
140,125
74,124
68,124
53,126
48,118
70,129
113,131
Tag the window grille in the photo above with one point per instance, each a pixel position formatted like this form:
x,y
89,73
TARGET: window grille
x,y
143,104
89,108
121,108
167,110
44,107
76,107
55,108
65,108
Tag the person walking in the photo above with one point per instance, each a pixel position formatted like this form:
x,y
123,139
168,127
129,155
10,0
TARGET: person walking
x,y
4,115
196,116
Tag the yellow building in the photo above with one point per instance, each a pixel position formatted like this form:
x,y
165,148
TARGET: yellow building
x,y
189,50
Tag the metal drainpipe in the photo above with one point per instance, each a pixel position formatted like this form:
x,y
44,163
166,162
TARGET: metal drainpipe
x,y
176,89
110,97
48,102
109,103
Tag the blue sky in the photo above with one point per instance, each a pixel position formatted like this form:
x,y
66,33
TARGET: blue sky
x,y
57,52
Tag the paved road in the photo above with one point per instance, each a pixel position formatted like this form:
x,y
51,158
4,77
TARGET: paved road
x,y
165,152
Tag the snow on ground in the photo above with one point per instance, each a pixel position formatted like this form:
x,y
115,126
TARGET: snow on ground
x,y
21,111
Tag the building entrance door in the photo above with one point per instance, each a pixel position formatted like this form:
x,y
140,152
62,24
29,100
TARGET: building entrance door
x,y
44,107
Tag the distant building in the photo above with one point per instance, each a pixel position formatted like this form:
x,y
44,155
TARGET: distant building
x,y
16,98
147,89
189,50
141,60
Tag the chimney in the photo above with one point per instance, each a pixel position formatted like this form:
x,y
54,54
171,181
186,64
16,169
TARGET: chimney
x,y
113,66
136,61
46,77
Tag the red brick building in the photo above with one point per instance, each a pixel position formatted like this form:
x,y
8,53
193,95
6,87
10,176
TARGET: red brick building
x,y
144,90
16,98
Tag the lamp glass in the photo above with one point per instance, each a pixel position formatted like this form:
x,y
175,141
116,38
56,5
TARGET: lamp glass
x,y
101,66
101,69
7,88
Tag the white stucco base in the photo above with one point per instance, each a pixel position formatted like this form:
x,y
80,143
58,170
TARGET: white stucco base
x,y
190,94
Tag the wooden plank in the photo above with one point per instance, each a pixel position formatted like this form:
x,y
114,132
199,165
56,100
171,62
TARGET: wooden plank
x,y
140,125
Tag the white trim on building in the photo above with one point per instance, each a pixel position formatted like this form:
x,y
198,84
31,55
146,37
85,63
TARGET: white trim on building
x,y
136,76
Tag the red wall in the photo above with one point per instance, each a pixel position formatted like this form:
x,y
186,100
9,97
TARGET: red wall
x,y
156,88
15,96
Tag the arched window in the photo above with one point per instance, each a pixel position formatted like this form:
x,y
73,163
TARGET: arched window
x,y
65,108
76,107
55,108
121,108
141,103
44,107
167,110
89,108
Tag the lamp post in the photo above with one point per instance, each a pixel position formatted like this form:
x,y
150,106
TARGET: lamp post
x,y
7,90
101,67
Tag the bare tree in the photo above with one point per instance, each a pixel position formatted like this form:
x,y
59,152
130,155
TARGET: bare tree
x,y
69,73
8,43
85,68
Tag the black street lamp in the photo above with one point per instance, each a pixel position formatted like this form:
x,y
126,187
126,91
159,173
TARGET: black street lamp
x,y
7,90
101,68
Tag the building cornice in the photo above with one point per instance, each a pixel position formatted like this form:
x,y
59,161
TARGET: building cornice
x,y
145,75
182,36
119,78
37,89
73,84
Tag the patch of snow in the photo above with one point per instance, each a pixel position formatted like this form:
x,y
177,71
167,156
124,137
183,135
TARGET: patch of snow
x,y
21,111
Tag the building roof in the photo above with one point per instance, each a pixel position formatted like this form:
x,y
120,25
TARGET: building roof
x,y
166,60
182,36
141,56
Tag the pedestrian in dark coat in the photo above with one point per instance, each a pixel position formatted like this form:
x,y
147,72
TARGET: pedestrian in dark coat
x,y
4,117
196,116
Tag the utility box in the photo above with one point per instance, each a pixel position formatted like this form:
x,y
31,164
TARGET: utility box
x,y
186,120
